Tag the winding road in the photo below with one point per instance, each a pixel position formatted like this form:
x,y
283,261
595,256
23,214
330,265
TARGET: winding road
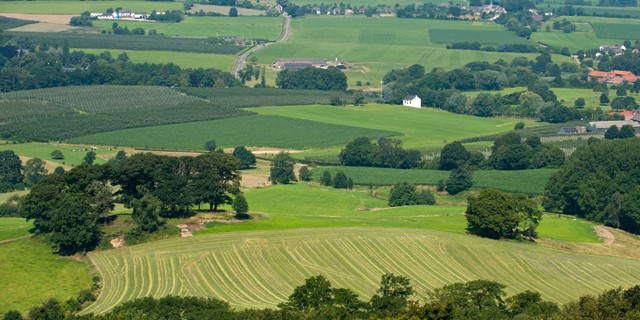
x,y
283,37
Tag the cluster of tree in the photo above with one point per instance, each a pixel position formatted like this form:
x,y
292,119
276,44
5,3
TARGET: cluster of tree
x,y
246,157
44,66
318,299
564,25
387,153
496,214
503,47
13,175
618,3
68,207
592,186
281,171
339,181
84,20
312,78
167,16
625,132
405,194
120,30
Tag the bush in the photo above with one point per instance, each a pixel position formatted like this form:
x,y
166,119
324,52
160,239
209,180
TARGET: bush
x,y
304,174
519,126
57,155
240,205
341,181
426,197
326,180
459,180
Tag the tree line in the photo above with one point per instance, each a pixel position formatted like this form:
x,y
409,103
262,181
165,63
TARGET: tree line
x,y
318,299
331,79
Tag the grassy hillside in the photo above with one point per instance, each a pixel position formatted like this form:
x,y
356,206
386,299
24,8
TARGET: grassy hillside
x,y
421,128
12,228
77,7
32,273
183,59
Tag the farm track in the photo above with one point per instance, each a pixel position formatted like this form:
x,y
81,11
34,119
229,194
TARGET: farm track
x,y
260,269
286,30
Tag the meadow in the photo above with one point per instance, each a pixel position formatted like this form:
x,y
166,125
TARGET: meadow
x,y
77,7
425,129
373,3
521,181
255,131
225,10
13,228
268,28
129,42
223,62
482,36
32,274
73,155
258,97
373,46
625,31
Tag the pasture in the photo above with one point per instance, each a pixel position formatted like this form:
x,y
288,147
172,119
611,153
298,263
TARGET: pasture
x,y
255,131
425,128
32,274
260,269
482,36
77,7
521,181
374,46
183,59
13,228
268,28
73,155
225,10
626,31
10,23
373,3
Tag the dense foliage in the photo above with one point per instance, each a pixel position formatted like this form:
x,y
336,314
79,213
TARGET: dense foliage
x,y
259,97
600,182
282,169
496,214
11,176
404,194
510,152
387,153
246,157
312,78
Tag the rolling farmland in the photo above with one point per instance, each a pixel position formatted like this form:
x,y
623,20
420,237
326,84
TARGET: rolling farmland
x,y
482,36
183,59
260,269
12,228
77,7
257,131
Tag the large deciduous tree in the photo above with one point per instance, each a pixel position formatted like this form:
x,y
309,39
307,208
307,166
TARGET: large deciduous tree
x,y
34,171
10,170
282,169
453,155
246,157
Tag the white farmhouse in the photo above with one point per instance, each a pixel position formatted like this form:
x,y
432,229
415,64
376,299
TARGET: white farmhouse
x,y
412,101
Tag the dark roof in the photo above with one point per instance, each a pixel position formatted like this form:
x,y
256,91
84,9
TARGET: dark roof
x,y
568,130
409,97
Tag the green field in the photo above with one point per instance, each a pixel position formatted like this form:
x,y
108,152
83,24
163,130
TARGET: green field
x,y
374,46
373,3
77,7
183,59
225,10
4,196
32,273
73,155
268,28
13,228
257,131
10,23
425,129
482,36
522,181
617,30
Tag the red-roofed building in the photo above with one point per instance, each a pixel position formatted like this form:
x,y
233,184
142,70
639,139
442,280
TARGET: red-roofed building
x,y
628,114
613,77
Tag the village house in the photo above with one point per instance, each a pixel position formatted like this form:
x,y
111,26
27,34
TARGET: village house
x,y
412,101
614,50
613,77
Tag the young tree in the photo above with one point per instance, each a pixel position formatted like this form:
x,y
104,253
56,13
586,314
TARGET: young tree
x,y
240,205
247,158
282,169
604,98
233,12
89,158
210,146
403,194
341,181
453,155
612,133
579,103
393,294
326,180
358,152
459,180
10,170
425,197
627,131
304,174
59,170
57,155
34,171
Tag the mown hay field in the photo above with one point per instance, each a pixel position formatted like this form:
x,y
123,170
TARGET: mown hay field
x,y
256,131
268,28
260,269
32,274
482,36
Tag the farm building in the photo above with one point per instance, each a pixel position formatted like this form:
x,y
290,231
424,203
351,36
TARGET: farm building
x,y
627,114
600,126
572,130
294,64
615,50
613,77
412,101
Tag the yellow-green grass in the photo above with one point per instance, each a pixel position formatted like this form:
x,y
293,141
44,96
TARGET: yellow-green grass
x,y
32,274
573,41
374,46
13,228
268,28
77,7
423,128
254,130
182,59
261,268
73,154
225,10
566,228
373,3
6,195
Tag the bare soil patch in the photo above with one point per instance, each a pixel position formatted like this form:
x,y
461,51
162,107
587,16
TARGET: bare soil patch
x,y
50,18
616,243
50,166
605,234
44,27
117,242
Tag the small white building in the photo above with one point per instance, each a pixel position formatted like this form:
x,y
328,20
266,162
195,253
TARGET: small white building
x,y
412,101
